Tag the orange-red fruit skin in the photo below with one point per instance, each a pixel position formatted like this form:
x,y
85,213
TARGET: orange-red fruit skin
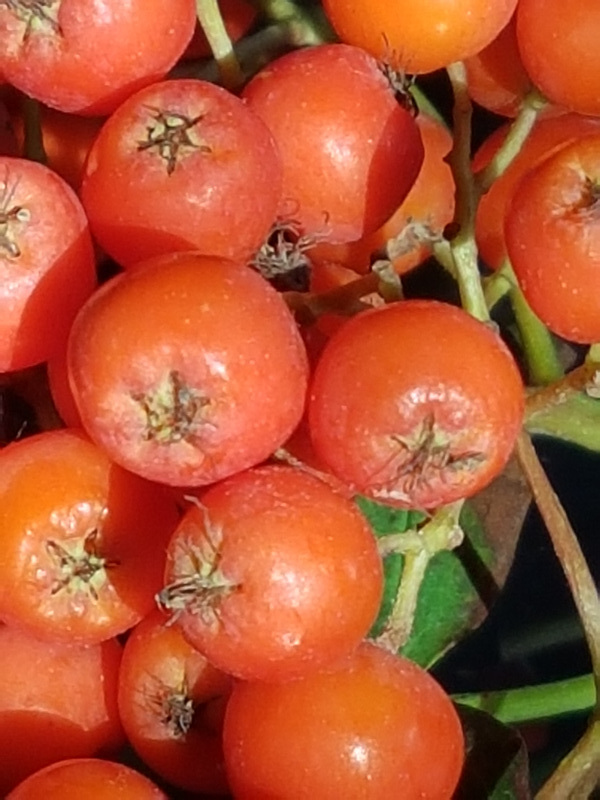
x,y
376,726
58,491
47,266
419,37
548,134
340,139
88,779
552,232
57,700
88,57
225,334
558,47
219,195
303,564
157,666
416,404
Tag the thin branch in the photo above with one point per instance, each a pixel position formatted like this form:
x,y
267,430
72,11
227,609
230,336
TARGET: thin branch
x,y
209,16
579,772
511,146
567,548
533,703
463,246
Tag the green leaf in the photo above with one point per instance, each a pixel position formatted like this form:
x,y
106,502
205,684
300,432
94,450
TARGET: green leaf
x,y
575,420
384,520
496,766
459,586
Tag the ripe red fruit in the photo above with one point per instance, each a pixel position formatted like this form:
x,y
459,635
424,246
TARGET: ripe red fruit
x,y
187,369
496,77
274,575
57,700
82,540
558,47
86,57
415,404
552,233
88,779
182,165
547,135
341,134
429,206
419,37
171,703
375,726
47,267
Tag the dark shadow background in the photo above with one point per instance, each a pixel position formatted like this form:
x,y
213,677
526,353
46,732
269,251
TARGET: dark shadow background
x,y
533,634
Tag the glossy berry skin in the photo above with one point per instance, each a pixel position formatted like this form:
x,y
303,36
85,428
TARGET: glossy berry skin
x,y
187,369
57,700
87,57
273,575
82,541
558,48
496,77
549,133
429,205
340,138
47,266
376,726
415,404
181,165
88,779
552,233
419,37
171,703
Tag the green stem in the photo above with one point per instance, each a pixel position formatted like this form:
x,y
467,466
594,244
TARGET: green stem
x,y
496,286
442,532
443,254
463,246
34,142
310,21
572,776
400,622
531,703
426,106
542,360
570,408
258,49
276,10
209,16
511,146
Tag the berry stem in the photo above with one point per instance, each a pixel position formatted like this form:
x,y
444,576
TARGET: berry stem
x,y
497,285
344,300
463,246
34,142
442,532
578,774
569,409
580,769
520,129
287,27
209,16
566,546
538,346
531,703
